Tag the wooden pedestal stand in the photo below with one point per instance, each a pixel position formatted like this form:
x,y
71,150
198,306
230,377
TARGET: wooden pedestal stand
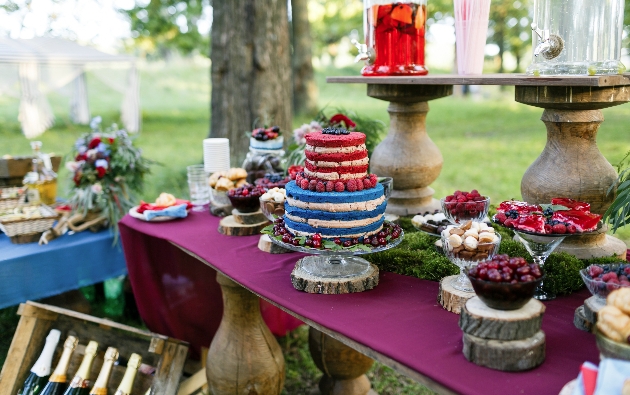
x,y
503,340
265,244
571,164
243,224
304,281
586,316
451,299
344,368
407,154
244,357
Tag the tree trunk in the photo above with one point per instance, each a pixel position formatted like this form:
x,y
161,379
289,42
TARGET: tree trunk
x,y
304,87
251,70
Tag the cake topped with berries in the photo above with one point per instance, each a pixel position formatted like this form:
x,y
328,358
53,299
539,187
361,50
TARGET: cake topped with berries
x,y
266,138
334,195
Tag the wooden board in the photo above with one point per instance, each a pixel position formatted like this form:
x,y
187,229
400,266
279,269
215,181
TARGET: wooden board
x,y
229,227
249,218
220,211
479,320
265,244
303,281
580,321
450,298
510,355
490,79
592,306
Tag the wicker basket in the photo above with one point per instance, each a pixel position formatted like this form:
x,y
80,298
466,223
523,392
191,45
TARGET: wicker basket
x,y
27,226
12,202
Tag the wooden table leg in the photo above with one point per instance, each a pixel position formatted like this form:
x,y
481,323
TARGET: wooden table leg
x,y
407,153
343,367
244,357
571,164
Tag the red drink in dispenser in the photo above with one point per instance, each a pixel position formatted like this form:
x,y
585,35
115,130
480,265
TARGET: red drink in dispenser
x,y
394,35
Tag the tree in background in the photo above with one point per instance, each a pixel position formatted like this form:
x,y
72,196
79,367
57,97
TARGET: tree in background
x,y
304,87
251,70
332,21
510,28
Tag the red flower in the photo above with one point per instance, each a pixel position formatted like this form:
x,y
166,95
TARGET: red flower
x,y
94,143
77,178
80,157
339,118
101,172
111,140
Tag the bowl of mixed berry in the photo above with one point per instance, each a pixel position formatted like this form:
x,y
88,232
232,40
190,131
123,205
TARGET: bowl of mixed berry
x,y
246,198
505,283
265,134
465,206
273,180
603,279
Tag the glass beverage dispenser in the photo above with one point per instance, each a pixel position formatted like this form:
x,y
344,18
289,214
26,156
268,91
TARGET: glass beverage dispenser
x,y
394,37
581,37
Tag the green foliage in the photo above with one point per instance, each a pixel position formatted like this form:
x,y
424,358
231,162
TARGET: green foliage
x,y
618,214
506,29
333,20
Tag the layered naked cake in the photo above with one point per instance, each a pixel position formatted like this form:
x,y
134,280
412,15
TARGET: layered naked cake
x,y
335,196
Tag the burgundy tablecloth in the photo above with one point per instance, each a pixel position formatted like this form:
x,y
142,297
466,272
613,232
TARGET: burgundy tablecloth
x,y
400,318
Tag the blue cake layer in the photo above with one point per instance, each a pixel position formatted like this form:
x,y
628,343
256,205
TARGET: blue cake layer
x,y
338,216
297,193
268,144
302,227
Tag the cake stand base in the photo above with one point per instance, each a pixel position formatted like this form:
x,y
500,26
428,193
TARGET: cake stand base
x,y
450,298
266,245
595,246
404,204
302,280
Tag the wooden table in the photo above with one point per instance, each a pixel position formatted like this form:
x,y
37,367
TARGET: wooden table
x,y
570,165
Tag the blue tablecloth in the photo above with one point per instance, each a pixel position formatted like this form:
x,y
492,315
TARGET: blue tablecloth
x,y
30,271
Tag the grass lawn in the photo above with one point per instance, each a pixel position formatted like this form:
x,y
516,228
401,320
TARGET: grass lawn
x,y
487,141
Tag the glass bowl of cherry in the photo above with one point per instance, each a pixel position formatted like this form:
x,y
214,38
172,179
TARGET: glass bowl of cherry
x,y
246,198
273,180
505,283
603,279
465,206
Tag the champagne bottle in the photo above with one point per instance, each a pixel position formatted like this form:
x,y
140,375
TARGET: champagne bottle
x,y
100,386
40,372
58,380
130,374
80,384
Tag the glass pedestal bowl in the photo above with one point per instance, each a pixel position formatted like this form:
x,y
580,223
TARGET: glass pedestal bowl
x,y
460,212
597,286
464,261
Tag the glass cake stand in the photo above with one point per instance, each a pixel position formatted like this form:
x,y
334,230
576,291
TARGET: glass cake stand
x,y
336,263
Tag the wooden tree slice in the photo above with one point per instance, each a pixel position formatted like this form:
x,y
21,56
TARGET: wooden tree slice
x,y
248,218
592,306
220,211
506,355
479,320
450,298
303,281
580,321
265,244
26,238
228,226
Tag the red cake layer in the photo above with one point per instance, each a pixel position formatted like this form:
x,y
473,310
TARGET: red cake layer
x,y
336,169
318,139
335,157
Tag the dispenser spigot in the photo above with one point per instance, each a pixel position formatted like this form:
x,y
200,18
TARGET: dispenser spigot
x,y
550,46
365,53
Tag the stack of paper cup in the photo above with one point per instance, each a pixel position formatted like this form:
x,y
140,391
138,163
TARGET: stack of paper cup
x,y
216,155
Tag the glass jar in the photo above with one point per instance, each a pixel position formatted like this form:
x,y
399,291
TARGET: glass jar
x,y
41,182
260,162
394,37
581,37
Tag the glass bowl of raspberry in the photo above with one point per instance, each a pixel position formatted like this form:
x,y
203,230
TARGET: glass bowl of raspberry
x,y
465,206
246,198
603,279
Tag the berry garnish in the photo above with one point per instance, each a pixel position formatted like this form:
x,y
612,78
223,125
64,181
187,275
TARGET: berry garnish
x,y
335,131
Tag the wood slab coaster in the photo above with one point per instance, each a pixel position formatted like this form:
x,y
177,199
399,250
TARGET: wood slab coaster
x,y
229,227
303,281
479,320
249,218
592,306
26,238
580,321
505,355
220,211
450,298
265,244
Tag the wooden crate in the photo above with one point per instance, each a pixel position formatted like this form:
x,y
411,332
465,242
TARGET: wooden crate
x,y
166,355
13,170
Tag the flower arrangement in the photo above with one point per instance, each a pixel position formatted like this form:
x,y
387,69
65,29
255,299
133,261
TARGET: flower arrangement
x,y
106,172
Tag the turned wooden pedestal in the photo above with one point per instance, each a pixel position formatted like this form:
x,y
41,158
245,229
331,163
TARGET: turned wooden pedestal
x,y
343,367
244,357
571,165
407,153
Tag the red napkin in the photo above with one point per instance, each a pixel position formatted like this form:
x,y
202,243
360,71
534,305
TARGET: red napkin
x,y
144,206
589,378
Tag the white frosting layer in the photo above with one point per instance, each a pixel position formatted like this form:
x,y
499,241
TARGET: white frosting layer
x,y
337,207
298,233
359,162
335,150
334,176
320,223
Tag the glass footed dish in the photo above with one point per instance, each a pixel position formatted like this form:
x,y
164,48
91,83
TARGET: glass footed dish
x,y
597,286
460,212
341,263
